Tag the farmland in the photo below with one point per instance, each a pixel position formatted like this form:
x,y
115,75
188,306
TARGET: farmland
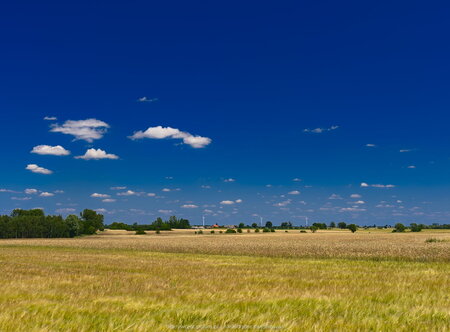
x,y
329,280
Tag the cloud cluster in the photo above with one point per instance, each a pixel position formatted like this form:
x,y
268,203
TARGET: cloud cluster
x,y
160,132
228,202
56,150
50,118
320,130
37,169
97,195
97,154
88,130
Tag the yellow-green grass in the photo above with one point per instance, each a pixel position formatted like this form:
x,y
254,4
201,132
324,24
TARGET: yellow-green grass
x,y
120,282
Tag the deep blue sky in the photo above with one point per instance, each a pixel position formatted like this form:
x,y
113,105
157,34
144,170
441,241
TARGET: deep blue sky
x,y
251,76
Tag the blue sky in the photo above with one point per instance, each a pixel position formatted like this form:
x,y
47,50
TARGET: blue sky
x,y
351,98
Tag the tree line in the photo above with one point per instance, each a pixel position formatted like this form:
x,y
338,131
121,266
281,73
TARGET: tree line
x,y
158,224
35,224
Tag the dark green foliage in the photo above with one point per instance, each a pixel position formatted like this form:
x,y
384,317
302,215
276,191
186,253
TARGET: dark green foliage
x,y
399,227
272,230
342,225
313,228
352,227
35,224
285,225
269,224
415,228
241,225
212,232
230,230
160,224
255,225
302,231
332,224
200,232
320,225
140,232
266,230
239,230
257,230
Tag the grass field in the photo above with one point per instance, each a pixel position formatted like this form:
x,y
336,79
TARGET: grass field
x,y
330,280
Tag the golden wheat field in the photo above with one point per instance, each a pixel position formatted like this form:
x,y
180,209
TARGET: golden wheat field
x,y
326,281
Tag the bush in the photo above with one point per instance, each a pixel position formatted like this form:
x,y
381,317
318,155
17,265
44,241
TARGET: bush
x,y
415,227
399,227
248,231
200,232
230,231
286,231
158,231
239,230
140,232
266,230
431,240
303,231
220,232
272,230
352,227
256,230
313,229
212,232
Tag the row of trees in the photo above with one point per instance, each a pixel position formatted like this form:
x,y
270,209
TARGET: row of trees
x,y
158,224
35,224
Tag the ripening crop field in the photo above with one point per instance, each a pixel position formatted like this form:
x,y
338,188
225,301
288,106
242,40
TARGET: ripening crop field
x,y
329,280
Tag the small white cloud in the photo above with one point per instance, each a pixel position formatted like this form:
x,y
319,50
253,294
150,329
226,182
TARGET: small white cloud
x,y
59,191
21,198
284,203
227,202
335,196
371,145
239,201
65,210
296,179
56,150
320,130
166,190
160,132
366,185
412,167
88,130
294,192
189,206
405,150
97,195
30,191
229,180
352,209
128,193
147,100
3,190
108,200
118,188
101,210
360,202
50,118
151,194
165,211
37,169
97,154
46,194
355,196
205,187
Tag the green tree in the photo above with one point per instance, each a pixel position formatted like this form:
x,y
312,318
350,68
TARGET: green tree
x,y
352,227
269,224
415,228
92,221
342,225
332,224
399,227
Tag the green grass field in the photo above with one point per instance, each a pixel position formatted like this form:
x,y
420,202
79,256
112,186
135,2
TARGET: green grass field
x,y
329,280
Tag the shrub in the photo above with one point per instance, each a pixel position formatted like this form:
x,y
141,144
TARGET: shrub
x,y
239,230
212,232
220,232
230,231
266,230
272,230
200,232
140,232
352,227
399,227
286,231
415,227
313,229
303,231
433,239
256,230
248,231
158,231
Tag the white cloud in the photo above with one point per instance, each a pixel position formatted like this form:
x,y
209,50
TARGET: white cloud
x,y
405,150
88,130
165,211
101,210
151,194
118,188
56,150
21,198
147,100
205,187
97,154
31,191
359,202
366,185
65,210
355,196
227,202
335,196
352,209
160,132
3,190
128,193
229,180
46,194
320,130
411,166
189,206
37,169
284,203
370,145
97,195
296,179
59,191
108,200
239,201
50,118
165,190
294,192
